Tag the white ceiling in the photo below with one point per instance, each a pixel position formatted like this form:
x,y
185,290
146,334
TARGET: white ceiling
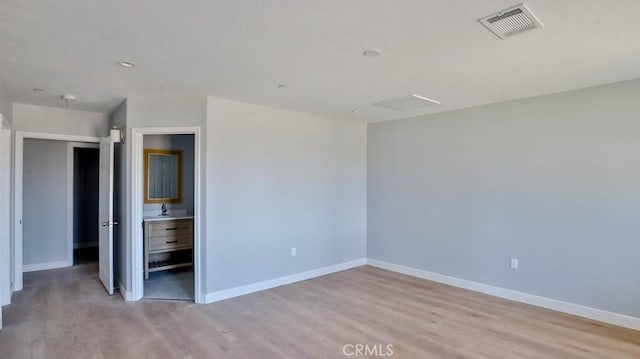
x,y
242,49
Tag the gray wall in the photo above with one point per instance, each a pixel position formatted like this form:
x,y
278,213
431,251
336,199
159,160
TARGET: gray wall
x,y
271,179
148,111
185,144
278,179
45,233
552,180
59,121
166,111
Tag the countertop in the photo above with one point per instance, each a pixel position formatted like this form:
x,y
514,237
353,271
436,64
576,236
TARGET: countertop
x,y
164,218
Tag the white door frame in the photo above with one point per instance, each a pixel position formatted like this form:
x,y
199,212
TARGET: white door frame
x,y
137,206
70,190
5,221
5,213
17,191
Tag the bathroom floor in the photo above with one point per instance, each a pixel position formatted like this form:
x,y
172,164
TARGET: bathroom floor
x,y
174,284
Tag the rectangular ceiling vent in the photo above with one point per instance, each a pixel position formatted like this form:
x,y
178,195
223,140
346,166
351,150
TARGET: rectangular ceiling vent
x,y
511,21
407,103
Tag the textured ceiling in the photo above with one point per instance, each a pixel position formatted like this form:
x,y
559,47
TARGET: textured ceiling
x,y
242,49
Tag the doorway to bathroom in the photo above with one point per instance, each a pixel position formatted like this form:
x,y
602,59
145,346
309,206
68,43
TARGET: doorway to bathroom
x,y
168,200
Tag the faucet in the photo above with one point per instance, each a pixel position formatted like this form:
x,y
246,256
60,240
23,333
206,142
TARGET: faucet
x,y
164,210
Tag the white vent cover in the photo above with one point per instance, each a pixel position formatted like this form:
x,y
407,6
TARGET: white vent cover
x,y
406,103
511,21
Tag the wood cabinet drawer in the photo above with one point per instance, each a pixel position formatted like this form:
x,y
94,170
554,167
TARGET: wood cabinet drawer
x,y
170,228
170,242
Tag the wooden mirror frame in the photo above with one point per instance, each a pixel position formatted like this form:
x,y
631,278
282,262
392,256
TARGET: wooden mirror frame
x,y
153,151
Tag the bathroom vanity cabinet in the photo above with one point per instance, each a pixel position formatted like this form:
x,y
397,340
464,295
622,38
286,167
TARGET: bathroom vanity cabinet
x,y
168,243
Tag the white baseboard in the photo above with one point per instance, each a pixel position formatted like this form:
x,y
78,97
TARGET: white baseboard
x,y
78,245
277,282
126,294
45,266
544,302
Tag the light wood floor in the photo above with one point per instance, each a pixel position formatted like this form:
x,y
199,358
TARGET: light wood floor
x,y
66,314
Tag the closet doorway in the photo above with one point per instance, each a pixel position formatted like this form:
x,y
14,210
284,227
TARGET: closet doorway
x,y
85,191
44,201
60,204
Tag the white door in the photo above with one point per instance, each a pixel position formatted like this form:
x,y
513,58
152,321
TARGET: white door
x,y
106,223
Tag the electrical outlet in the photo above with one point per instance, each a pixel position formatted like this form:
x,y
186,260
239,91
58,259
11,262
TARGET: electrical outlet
x,y
514,263
293,251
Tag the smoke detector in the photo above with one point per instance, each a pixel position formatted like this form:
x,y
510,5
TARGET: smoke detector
x,y
511,21
68,97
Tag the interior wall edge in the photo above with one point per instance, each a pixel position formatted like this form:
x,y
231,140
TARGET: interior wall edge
x,y
127,295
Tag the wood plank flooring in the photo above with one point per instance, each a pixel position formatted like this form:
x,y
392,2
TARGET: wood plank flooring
x,y
66,314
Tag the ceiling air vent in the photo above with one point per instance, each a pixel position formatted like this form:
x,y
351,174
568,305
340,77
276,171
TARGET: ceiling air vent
x,y
511,21
407,103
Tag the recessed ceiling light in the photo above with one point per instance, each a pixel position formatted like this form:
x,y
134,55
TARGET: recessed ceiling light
x,y
282,86
126,64
37,90
372,52
356,111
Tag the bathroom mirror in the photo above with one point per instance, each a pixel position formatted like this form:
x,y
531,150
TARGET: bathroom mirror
x,y
163,176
